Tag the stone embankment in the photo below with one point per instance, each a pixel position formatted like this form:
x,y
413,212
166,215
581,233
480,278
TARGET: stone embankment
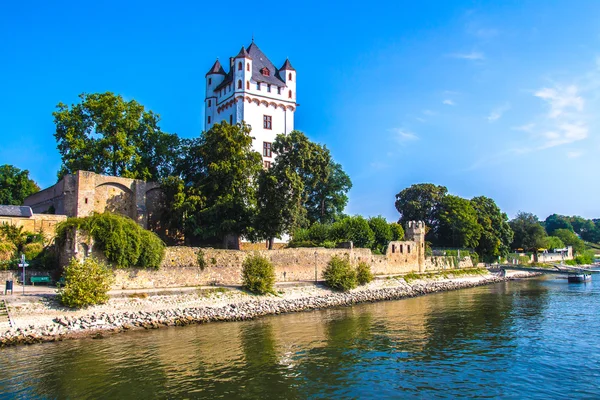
x,y
97,324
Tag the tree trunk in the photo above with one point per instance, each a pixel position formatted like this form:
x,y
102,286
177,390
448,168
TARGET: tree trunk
x,y
271,240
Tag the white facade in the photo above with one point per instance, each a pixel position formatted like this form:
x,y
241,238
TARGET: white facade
x,y
253,91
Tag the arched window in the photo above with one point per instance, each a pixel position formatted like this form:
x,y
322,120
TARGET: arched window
x,y
209,103
247,67
240,84
209,81
209,120
290,76
290,94
240,66
247,85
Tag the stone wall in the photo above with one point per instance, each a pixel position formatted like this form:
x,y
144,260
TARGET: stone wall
x,y
37,223
224,267
436,263
82,193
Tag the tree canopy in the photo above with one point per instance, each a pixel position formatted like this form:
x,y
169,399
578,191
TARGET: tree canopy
x,y
420,202
456,223
496,234
528,232
105,134
15,185
555,221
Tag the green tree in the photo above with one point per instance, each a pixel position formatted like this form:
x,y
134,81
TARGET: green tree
x,y
397,231
108,135
496,234
15,185
528,232
554,242
420,202
555,221
328,198
228,183
355,229
570,238
382,231
311,162
457,223
258,275
278,198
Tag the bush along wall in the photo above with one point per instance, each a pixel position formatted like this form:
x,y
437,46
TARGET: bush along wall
x,y
123,242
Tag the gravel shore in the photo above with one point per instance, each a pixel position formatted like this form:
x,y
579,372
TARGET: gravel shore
x,y
44,320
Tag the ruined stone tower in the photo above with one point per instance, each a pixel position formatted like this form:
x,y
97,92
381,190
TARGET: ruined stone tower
x,y
415,231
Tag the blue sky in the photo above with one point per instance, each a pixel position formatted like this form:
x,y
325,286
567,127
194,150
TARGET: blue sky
x,y
487,98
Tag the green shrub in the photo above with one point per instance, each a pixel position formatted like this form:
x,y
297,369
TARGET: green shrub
x,y
363,273
201,260
585,257
86,283
319,233
153,250
122,241
258,275
7,251
32,250
339,275
328,244
302,243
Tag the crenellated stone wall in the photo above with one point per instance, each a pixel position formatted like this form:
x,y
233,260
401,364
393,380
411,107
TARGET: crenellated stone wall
x,y
37,223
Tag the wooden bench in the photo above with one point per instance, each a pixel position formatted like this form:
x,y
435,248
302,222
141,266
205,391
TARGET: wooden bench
x,y
40,279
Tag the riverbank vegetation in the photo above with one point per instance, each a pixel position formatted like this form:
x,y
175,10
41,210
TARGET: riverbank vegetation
x,y
87,283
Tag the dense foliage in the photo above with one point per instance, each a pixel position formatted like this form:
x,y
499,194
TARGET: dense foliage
x,y
15,185
420,202
122,241
496,234
258,275
86,283
363,273
529,235
14,241
105,134
339,274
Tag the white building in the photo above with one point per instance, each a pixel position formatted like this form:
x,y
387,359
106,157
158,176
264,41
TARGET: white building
x,y
253,91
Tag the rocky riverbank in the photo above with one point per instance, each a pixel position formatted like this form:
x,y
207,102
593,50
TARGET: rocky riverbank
x,y
45,321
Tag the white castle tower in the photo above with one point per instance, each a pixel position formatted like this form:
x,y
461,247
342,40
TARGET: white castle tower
x,y
253,91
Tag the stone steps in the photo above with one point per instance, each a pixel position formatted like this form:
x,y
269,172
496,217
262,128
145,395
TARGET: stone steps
x,y
5,322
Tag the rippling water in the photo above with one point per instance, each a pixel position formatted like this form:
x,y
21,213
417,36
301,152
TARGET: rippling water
x,y
537,339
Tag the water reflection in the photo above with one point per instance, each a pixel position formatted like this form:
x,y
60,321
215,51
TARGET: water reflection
x,y
478,342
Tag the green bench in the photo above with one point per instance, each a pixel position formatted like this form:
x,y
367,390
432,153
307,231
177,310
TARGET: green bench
x,y
40,279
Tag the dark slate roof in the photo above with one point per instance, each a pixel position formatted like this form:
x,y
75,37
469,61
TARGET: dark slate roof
x,y
228,79
287,66
243,54
260,61
216,69
16,211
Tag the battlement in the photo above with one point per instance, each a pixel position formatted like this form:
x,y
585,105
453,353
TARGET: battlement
x,y
415,230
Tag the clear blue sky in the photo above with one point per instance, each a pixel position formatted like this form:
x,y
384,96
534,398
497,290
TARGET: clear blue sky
x,y
487,98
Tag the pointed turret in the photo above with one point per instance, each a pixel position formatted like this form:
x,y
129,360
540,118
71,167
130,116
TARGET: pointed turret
x,y
243,54
287,66
216,69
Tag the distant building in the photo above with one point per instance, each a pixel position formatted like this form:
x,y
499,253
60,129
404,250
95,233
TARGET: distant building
x,y
253,91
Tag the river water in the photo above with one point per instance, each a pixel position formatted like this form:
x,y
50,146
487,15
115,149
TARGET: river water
x,y
537,338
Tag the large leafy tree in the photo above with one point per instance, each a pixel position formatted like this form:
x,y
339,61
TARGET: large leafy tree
x,y
555,221
328,197
383,233
325,184
278,198
496,234
420,202
528,232
227,181
457,223
105,134
15,185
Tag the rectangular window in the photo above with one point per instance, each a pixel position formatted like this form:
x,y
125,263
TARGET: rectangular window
x,y
209,103
258,86
267,121
278,90
266,149
231,120
209,120
267,164
269,88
